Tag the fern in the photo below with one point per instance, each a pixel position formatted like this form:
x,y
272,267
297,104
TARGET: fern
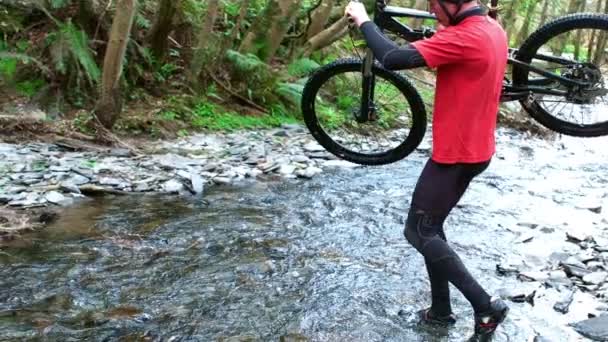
x,y
70,45
302,67
246,63
56,4
292,92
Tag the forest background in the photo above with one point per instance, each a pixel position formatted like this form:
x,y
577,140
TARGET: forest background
x,y
166,68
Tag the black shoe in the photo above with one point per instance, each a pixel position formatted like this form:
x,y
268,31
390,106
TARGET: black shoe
x,y
487,322
428,317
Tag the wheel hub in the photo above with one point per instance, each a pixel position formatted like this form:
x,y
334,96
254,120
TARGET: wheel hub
x,y
594,85
370,116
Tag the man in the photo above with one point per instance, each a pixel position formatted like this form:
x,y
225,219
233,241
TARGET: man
x,y
470,54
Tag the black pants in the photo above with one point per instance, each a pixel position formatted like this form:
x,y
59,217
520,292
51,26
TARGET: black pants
x,y
437,191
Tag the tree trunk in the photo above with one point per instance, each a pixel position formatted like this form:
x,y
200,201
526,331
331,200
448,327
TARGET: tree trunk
x,y
256,39
204,48
319,16
326,37
109,106
525,28
236,31
592,42
544,13
600,51
279,28
510,18
158,37
87,18
579,34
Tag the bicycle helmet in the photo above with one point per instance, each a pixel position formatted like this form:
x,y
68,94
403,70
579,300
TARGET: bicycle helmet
x,y
459,3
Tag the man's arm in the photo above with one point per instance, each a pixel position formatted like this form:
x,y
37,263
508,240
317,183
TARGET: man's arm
x,y
389,54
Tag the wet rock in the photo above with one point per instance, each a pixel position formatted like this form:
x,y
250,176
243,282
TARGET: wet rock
x,y
55,197
577,236
222,180
595,278
506,269
563,306
574,268
313,146
533,276
173,186
517,295
198,183
69,188
309,172
594,328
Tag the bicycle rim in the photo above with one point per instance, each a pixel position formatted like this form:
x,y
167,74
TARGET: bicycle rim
x,y
383,135
576,54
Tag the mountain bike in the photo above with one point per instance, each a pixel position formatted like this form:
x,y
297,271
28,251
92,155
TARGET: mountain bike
x,y
366,114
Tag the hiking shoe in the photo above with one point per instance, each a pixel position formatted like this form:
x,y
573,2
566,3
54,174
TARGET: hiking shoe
x,y
487,322
428,317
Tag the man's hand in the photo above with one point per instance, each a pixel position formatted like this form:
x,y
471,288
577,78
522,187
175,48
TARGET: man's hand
x,y
356,11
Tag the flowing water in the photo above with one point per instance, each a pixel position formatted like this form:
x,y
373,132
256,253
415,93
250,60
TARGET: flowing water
x,y
316,260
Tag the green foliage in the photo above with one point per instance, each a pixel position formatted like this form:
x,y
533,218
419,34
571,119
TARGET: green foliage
x,y
69,48
29,88
142,22
208,116
8,67
9,21
56,4
291,92
302,67
165,71
193,10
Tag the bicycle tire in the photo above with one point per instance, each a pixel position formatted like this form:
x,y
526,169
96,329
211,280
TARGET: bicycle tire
x,y
527,52
407,146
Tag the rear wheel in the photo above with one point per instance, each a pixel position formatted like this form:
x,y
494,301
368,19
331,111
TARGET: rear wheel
x,y
392,128
573,47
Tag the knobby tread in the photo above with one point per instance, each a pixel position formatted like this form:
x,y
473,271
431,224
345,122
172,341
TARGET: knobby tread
x,y
528,50
323,74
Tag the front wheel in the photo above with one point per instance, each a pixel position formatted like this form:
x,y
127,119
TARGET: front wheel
x,y
391,128
573,47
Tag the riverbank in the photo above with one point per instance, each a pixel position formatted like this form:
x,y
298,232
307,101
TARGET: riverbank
x,y
532,228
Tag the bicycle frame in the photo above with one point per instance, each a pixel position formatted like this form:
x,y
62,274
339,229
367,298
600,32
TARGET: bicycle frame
x,y
385,17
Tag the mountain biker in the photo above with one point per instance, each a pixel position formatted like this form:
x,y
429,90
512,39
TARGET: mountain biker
x,y
470,52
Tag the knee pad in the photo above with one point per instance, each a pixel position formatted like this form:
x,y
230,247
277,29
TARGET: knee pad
x,y
421,228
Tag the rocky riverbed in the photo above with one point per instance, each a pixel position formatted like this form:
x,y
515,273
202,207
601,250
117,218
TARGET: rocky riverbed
x,y
543,203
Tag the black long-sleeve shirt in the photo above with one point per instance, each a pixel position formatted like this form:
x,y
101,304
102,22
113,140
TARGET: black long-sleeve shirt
x,y
389,54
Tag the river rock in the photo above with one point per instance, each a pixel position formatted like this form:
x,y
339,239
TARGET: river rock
x,y
594,328
534,276
198,183
563,306
595,278
309,172
173,186
69,188
54,197
313,146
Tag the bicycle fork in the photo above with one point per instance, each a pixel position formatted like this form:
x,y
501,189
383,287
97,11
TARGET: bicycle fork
x,y
367,110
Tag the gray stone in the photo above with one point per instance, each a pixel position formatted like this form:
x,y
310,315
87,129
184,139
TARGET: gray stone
x,y
198,183
313,146
69,187
54,197
563,306
309,172
594,328
110,181
173,186
78,180
534,276
595,278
